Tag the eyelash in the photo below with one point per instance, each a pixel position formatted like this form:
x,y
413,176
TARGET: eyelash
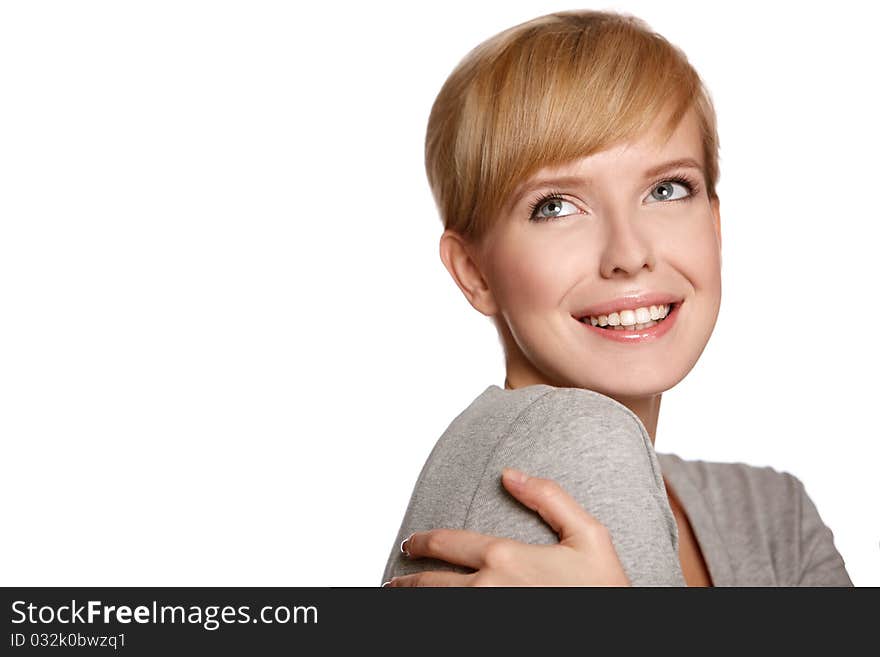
x,y
553,195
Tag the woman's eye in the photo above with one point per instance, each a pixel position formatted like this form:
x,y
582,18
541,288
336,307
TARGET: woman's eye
x,y
550,206
665,190
553,206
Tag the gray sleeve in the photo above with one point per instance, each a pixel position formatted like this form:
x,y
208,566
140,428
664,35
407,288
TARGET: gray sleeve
x,y
820,562
595,448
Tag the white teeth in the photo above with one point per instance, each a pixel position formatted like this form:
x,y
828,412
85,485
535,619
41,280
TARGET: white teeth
x,y
635,327
631,318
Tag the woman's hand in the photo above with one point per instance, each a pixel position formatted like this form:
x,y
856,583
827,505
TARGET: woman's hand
x,y
584,556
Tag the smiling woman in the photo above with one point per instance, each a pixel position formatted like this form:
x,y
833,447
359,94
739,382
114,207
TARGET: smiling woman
x,y
616,250
574,162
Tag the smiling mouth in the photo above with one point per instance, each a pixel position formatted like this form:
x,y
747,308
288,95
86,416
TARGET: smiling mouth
x,y
614,321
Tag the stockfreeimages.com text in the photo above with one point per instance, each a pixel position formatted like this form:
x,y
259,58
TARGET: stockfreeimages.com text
x,y
209,616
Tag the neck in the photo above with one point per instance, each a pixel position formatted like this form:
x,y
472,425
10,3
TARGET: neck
x,y
647,409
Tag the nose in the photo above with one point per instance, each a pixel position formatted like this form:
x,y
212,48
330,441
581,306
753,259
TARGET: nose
x,y
626,251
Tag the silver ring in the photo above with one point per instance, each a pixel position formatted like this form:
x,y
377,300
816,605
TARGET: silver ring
x,y
404,552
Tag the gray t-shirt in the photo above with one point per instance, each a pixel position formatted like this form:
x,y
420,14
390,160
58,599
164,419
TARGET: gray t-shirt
x,y
755,526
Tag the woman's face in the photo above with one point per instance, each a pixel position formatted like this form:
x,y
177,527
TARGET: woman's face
x,y
616,230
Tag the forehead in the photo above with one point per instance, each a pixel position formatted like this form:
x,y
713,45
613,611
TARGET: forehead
x,y
634,157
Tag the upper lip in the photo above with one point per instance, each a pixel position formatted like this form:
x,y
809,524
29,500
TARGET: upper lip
x,y
628,302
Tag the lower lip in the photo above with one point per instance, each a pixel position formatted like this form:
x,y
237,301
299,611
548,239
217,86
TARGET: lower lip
x,y
630,337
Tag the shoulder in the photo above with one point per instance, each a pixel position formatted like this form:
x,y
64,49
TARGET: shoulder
x,y
530,428
751,512
499,414
543,425
744,500
553,409
540,428
766,519
722,483
534,398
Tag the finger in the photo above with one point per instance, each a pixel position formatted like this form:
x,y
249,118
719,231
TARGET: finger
x,y
561,511
456,546
432,578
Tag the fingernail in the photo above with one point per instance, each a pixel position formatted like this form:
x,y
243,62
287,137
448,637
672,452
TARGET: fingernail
x,y
384,584
516,476
403,542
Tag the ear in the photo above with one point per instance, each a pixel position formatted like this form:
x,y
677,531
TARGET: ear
x,y
457,256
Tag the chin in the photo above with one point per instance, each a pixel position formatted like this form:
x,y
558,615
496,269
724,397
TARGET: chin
x,y
645,387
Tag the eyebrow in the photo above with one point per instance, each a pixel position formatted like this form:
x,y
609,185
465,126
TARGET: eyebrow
x,y
556,181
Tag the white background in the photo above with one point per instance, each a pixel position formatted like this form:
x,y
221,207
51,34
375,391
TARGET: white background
x,y
227,340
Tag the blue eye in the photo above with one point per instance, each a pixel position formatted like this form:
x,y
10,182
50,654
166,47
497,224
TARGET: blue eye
x,y
554,200
668,185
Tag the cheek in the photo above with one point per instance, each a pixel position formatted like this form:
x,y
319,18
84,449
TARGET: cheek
x,y
692,245
528,277
705,258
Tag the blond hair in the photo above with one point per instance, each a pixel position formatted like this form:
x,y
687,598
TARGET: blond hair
x,y
544,92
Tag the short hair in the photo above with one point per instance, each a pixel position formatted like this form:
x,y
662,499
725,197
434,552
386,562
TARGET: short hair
x,y
545,92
